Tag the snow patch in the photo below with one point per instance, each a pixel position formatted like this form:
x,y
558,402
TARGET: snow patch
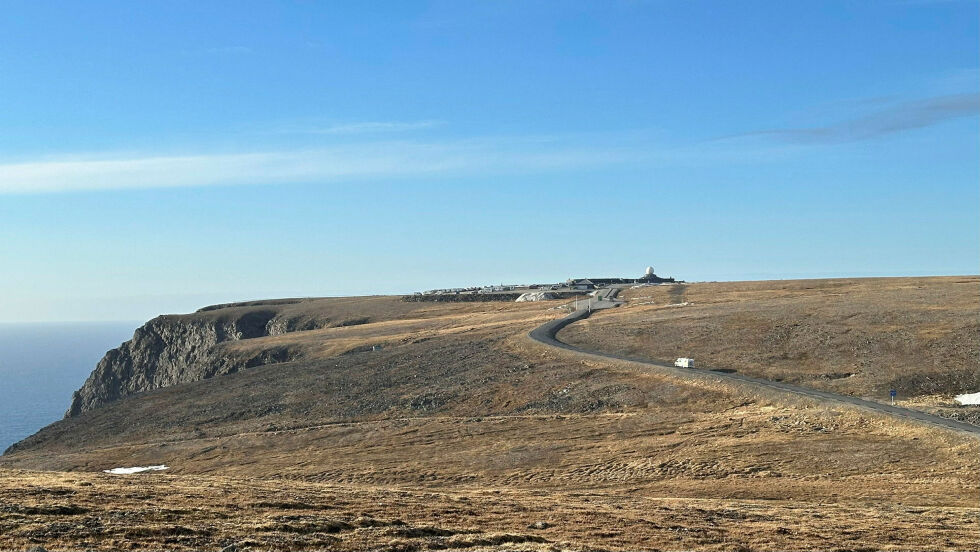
x,y
968,398
536,296
135,469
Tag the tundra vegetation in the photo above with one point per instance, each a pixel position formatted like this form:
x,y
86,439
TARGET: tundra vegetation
x,y
382,424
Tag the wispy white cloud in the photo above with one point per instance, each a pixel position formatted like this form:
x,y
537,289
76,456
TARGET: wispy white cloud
x,y
895,118
365,127
218,51
375,158
323,165
229,50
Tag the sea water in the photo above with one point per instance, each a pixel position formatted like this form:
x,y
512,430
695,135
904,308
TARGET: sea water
x,y
42,364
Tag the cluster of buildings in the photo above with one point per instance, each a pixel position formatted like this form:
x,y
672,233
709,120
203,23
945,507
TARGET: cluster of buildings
x,y
502,288
572,284
649,277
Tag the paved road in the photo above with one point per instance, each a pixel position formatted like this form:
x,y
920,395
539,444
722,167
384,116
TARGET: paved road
x,y
546,334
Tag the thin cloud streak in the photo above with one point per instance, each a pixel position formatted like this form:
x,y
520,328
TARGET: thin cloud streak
x,y
368,127
899,118
229,50
365,127
324,165
218,51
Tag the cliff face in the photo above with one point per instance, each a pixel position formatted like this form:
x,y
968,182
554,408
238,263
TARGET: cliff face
x,y
176,349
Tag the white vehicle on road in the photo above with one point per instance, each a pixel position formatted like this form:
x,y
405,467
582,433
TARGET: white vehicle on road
x,y
684,362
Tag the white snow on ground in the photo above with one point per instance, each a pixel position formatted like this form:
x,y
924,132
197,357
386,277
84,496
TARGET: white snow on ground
x,y
536,296
135,469
968,398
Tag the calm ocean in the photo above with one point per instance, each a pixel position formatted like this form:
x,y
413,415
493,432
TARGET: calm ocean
x,y
42,364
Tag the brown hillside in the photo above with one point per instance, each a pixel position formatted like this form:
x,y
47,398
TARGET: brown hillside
x,y
447,428
864,337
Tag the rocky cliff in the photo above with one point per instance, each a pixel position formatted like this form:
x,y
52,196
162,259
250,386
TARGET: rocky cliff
x,y
174,349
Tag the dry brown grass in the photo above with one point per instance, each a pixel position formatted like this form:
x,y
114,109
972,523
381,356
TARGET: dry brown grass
x,y
80,510
861,337
461,433
429,321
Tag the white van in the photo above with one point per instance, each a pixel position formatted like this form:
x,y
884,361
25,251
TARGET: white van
x,y
684,362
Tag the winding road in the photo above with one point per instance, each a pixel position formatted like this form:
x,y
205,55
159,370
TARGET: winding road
x,y
547,334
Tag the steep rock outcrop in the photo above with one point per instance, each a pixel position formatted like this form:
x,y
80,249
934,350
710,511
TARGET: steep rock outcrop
x,y
174,349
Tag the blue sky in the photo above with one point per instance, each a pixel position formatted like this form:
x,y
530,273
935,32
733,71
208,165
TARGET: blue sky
x,y
159,156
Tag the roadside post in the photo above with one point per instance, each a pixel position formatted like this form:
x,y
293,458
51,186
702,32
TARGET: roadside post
x,y
893,393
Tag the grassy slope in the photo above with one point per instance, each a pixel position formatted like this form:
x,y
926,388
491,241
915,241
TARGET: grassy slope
x,y
465,430
861,337
89,511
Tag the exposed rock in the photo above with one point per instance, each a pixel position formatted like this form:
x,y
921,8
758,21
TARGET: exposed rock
x,y
463,297
174,349
482,297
